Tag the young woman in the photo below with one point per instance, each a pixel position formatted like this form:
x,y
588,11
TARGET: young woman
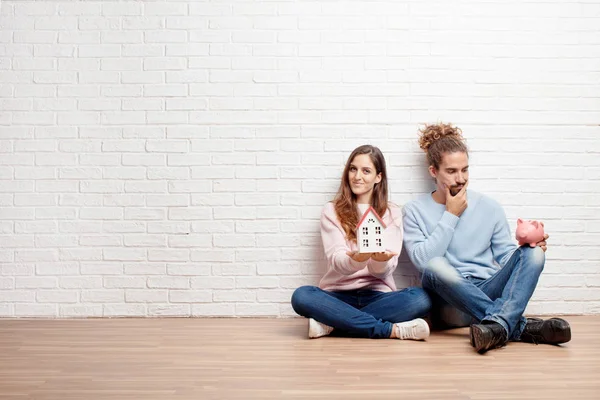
x,y
357,296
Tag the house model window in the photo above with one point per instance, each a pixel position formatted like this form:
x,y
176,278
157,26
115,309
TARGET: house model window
x,y
369,232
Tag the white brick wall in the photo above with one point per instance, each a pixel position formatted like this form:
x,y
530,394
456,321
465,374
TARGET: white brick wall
x,y
171,158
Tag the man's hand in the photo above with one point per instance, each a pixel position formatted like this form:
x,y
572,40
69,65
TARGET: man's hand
x,y
542,244
456,204
358,257
382,257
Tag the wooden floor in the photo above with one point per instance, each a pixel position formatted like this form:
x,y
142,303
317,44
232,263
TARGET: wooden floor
x,y
272,359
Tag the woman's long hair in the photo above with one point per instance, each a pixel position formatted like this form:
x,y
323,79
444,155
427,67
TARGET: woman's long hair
x,y
345,201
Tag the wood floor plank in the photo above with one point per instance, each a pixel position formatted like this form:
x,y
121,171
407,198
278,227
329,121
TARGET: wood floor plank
x,y
273,359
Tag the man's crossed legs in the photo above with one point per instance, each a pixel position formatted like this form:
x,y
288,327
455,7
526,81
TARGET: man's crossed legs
x,y
497,303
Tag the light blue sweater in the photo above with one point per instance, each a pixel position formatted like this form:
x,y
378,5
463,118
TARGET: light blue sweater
x,y
477,243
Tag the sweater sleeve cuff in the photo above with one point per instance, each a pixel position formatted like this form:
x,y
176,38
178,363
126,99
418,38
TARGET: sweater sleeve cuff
x,y
449,219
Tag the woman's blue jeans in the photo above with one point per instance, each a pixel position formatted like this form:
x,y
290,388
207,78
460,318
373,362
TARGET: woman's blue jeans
x,y
361,313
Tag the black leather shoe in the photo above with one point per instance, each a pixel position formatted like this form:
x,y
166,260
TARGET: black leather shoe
x,y
487,336
550,331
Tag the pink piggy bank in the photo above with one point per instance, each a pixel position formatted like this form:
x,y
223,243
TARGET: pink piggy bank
x,y
530,232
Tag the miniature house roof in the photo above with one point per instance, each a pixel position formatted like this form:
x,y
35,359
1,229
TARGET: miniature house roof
x,y
365,217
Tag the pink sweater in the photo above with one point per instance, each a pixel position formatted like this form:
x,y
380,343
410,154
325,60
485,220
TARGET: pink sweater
x,y
343,273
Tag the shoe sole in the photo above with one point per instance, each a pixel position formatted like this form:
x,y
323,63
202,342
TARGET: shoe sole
x,y
313,329
471,339
480,340
477,340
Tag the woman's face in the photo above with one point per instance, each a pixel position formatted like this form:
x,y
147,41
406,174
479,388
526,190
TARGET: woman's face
x,y
363,177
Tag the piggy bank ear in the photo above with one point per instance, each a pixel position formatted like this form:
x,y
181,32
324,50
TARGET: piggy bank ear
x,y
519,221
542,224
535,223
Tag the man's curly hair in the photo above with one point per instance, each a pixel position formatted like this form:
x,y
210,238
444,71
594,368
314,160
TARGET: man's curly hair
x,y
437,139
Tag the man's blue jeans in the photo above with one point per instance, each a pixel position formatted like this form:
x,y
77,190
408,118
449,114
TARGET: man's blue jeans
x,y
361,313
501,298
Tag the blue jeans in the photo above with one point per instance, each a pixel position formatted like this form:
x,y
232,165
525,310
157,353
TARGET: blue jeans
x,y
502,298
361,313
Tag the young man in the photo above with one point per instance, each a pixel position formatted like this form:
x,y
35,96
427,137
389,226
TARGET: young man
x,y
461,242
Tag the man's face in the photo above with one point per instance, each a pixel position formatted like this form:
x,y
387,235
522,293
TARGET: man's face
x,y
453,172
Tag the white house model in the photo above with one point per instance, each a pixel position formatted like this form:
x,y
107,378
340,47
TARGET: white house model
x,y
369,233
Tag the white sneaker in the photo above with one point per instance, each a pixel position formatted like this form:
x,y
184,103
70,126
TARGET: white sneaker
x,y
417,329
317,329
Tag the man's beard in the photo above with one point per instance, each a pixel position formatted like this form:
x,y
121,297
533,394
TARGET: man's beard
x,y
455,189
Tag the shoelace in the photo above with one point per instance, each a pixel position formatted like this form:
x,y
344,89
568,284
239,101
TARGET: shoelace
x,y
408,332
535,339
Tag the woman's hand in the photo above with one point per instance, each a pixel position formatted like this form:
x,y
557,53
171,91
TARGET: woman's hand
x,y
383,257
358,257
